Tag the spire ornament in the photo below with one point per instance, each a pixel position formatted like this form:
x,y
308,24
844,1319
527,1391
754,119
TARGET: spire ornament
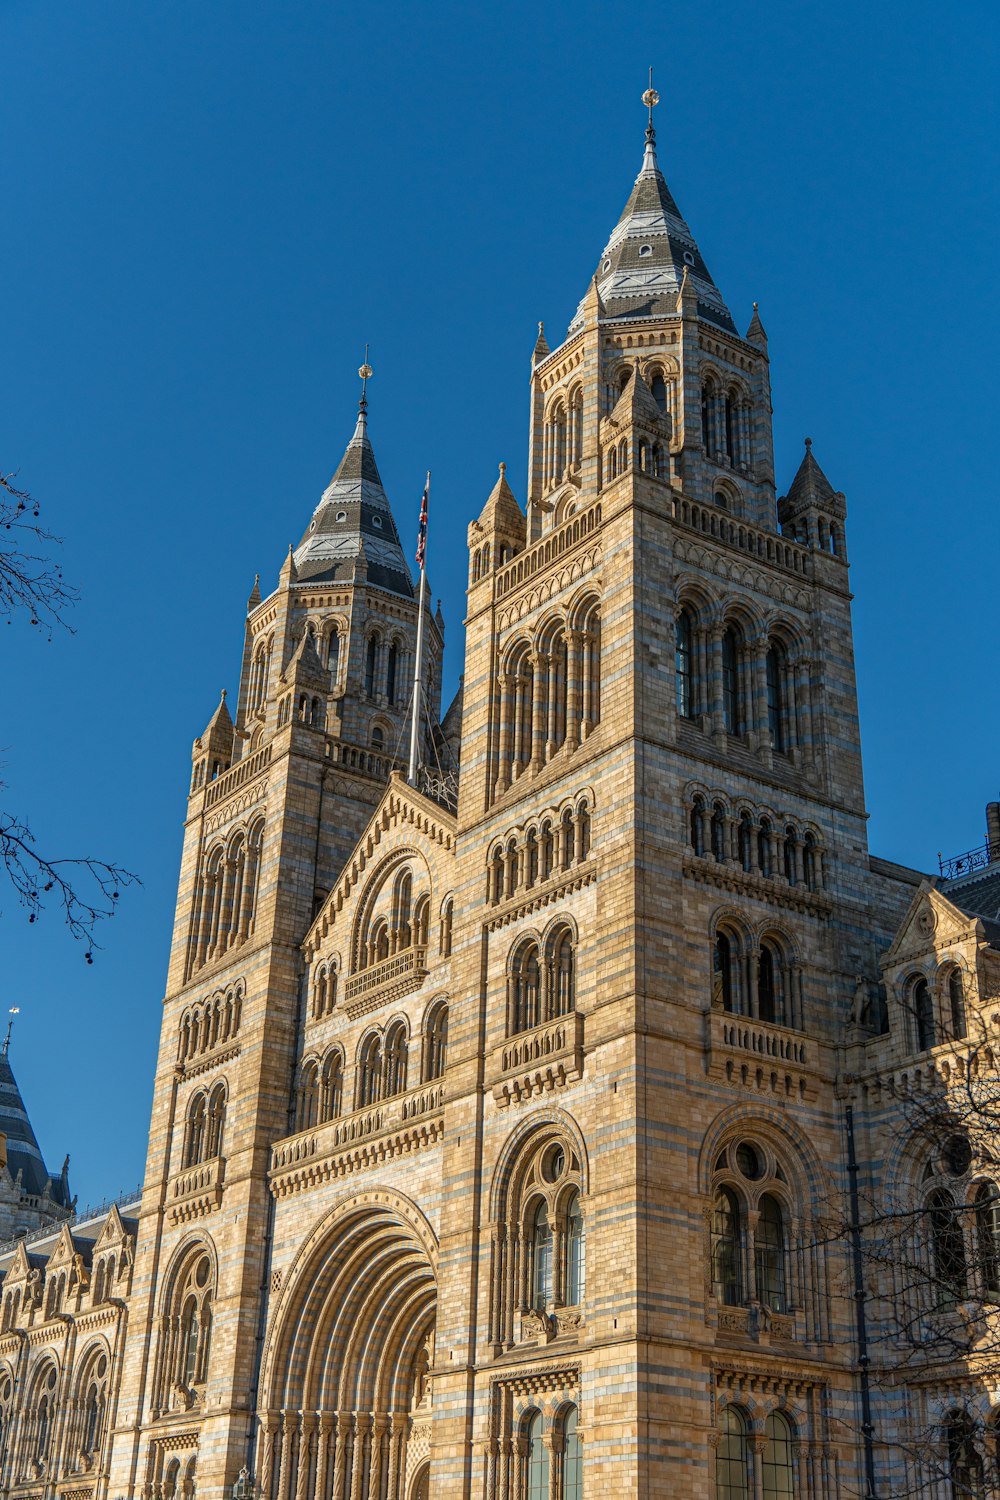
x,y
15,1010
650,98
364,375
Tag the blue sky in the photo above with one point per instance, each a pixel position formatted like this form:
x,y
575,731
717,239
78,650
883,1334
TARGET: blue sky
x,y
210,208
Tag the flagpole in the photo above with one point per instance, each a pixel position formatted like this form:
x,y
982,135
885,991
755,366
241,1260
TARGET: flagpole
x,y
419,663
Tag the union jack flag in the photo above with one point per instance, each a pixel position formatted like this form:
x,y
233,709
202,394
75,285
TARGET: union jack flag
x,y
422,528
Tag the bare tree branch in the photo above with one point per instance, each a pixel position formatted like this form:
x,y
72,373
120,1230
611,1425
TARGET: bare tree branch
x,y
31,582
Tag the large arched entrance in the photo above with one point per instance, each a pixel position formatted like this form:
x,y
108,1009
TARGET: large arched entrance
x,y
348,1356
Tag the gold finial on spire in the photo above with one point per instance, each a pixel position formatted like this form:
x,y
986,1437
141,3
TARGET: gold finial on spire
x,y
364,375
650,98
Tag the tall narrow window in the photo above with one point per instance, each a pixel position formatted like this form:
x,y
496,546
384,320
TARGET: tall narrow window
x,y
722,976
923,1012
563,998
746,842
190,1329
390,672
333,653
727,1281
395,1060
659,391
572,1487
537,1460
777,1472
956,1002
371,659
525,998
965,1467
698,825
333,1086
683,665
574,1251
769,1255
775,674
732,697
770,986
541,1258
732,1458
718,832
988,1239
947,1247
706,417
436,1044
764,847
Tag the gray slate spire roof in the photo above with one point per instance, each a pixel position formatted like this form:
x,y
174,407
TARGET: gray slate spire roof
x,y
810,487
353,518
639,273
23,1153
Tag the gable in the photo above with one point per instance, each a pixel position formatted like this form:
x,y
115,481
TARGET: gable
x,y
931,923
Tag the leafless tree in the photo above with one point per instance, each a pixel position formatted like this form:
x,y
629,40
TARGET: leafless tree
x,y
85,889
925,1248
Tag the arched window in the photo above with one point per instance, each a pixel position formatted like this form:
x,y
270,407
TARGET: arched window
x,y
371,663
563,998
956,1002
775,670
707,397
745,836
333,652
525,989
769,1254
732,694
718,832
697,831
395,1060
947,1246
541,1257
391,669
436,1043
447,920
572,1463
197,1121
575,1248
401,910
684,664
369,1086
536,1460
421,921
770,985
732,1458
44,1421
332,1098
546,849
583,829
308,1110
724,990
923,1014
810,862
777,1472
378,737
764,847
496,875
988,1239
188,1327
216,1121
659,390
965,1467
727,1277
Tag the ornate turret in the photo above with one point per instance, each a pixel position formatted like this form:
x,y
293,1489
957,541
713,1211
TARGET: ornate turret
x,y
813,511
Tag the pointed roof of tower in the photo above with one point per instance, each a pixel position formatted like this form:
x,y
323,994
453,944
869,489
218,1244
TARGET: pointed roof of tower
x,y
353,516
811,488
636,402
501,511
23,1153
640,270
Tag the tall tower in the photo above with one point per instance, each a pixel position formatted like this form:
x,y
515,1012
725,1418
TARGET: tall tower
x,y
279,796
660,756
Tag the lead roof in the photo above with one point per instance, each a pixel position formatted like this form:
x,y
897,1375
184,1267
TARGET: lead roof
x,y
353,520
23,1152
640,270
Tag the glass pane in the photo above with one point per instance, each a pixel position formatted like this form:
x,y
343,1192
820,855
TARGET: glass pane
x,y
574,1252
732,1459
538,1461
572,1459
776,1467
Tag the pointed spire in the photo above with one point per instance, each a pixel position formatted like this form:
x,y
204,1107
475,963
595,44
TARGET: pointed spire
x,y
289,572
354,517
254,598
541,348
641,267
24,1157
811,490
501,511
687,297
755,333
636,402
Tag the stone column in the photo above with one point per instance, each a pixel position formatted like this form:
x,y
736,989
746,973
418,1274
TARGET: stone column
x,y
289,1420
715,698
573,675
508,687
539,663
307,1425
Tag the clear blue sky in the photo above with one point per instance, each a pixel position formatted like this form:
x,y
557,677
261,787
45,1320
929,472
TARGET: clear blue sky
x,y
208,210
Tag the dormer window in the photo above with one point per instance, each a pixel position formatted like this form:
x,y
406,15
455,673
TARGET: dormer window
x,y
342,515
689,258
377,522
607,265
645,250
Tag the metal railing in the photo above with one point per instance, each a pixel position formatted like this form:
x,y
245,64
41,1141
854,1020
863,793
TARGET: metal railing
x,y
966,864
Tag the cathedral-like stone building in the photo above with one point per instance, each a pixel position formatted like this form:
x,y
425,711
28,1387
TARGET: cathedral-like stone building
x,y
496,1117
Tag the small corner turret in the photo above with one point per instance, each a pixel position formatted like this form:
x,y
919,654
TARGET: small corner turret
x,y
498,534
212,752
813,512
